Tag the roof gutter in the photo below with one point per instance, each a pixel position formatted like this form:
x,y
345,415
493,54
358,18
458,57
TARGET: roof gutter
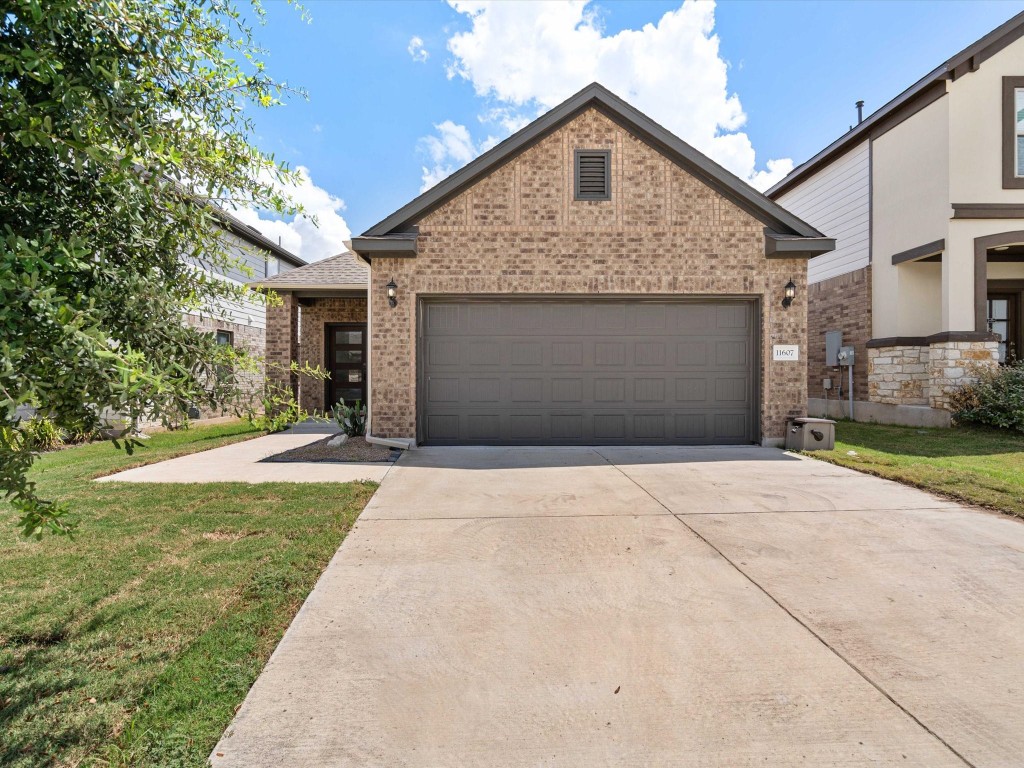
x,y
780,246
398,246
274,286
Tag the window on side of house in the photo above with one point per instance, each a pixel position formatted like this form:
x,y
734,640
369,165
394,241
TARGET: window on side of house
x,y
1013,133
593,174
226,338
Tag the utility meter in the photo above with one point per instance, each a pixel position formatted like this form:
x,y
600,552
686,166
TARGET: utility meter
x,y
845,356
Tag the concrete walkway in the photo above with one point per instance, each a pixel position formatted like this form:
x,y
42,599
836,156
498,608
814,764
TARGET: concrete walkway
x,y
241,463
649,607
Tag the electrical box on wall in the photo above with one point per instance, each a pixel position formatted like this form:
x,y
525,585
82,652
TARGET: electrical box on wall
x,y
845,356
833,341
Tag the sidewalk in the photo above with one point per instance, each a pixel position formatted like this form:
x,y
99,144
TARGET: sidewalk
x,y
241,463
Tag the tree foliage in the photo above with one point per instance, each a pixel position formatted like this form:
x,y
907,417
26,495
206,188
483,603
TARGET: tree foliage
x,y
121,122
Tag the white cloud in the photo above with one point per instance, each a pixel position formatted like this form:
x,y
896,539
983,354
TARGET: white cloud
x,y
451,148
525,58
300,235
417,50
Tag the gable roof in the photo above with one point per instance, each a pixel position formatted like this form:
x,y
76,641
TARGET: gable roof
x,y
253,236
341,272
929,88
597,96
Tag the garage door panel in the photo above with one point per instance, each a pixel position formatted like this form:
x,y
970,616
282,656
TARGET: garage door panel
x,y
583,372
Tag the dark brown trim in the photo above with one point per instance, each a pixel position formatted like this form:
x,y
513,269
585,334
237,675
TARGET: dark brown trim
x,y
988,210
596,96
947,336
897,341
981,247
331,386
920,252
778,246
1010,178
926,98
607,155
403,247
915,98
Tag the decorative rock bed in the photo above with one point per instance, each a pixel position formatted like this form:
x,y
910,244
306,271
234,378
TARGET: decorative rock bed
x,y
353,449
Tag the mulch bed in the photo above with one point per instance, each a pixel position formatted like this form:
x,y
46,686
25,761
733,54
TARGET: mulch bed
x,y
354,449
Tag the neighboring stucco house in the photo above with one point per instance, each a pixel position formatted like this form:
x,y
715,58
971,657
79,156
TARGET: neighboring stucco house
x,y
926,201
590,280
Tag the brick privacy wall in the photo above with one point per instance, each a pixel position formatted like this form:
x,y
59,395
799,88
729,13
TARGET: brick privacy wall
x,y
245,337
315,317
520,231
954,363
840,303
899,375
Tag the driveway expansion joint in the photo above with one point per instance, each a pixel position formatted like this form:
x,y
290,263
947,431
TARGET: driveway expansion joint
x,y
792,615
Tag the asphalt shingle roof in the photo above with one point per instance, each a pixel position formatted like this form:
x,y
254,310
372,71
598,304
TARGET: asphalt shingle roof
x,y
343,269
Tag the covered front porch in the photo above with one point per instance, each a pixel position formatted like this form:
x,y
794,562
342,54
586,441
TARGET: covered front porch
x,y
955,306
321,321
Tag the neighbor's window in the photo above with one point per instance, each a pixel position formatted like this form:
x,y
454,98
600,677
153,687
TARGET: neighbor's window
x,y
273,266
1013,132
226,338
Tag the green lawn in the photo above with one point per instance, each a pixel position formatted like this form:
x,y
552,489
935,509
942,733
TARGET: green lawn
x,y
134,643
977,465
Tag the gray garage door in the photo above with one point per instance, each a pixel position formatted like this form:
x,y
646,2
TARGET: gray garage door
x,y
586,372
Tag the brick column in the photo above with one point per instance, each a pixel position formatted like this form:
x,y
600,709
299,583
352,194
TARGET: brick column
x,y
283,341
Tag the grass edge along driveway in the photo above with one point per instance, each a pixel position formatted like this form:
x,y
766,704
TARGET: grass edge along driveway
x,y
976,465
134,643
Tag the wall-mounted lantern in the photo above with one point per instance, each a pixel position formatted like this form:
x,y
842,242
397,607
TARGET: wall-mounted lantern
x,y
790,294
392,293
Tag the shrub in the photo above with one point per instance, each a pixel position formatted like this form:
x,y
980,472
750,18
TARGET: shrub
x,y
41,434
280,410
351,418
996,399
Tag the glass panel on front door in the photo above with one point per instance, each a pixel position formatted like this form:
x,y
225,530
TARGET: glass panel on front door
x,y
346,363
999,324
348,337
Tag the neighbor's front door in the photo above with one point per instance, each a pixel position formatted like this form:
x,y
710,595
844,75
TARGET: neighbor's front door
x,y
345,361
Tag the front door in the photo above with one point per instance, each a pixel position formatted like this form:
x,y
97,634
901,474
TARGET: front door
x,y
346,363
1002,321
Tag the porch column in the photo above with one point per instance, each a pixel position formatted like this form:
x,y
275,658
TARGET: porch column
x,y
283,342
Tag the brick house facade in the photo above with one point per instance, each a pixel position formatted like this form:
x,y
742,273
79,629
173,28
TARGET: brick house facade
x,y
675,227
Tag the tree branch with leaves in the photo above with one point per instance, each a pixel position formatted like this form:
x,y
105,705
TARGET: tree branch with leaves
x,y
120,122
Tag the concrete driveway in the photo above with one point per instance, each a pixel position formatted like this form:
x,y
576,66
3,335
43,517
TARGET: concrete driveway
x,y
650,607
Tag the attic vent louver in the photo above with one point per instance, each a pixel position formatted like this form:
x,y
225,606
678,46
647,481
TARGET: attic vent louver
x,y
593,174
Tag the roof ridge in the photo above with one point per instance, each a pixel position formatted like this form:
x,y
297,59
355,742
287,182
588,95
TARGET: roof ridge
x,y
629,117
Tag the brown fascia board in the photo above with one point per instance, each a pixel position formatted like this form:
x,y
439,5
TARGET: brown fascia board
x,y
238,227
597,96
401,246
920,252
778,246
928,89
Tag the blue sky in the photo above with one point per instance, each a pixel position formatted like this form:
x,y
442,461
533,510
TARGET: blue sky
x,y
382,120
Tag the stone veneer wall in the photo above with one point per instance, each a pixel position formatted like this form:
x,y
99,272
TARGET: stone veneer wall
x,y
899,375
952,364
924,374
315,314
840,303
519,230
